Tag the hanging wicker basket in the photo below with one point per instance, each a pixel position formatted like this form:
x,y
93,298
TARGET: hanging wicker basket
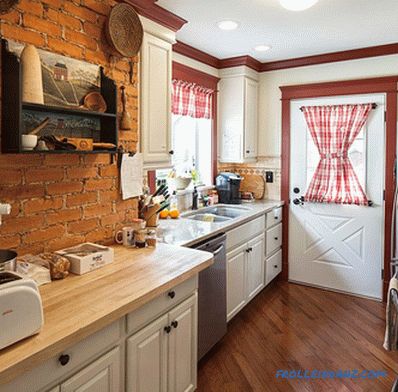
x,y
7,5
124,30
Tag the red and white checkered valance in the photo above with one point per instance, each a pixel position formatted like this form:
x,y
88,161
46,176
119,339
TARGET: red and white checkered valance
x,y
190,99
334,129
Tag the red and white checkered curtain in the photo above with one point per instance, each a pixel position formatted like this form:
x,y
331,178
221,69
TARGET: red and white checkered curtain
x,y
190,99
334,129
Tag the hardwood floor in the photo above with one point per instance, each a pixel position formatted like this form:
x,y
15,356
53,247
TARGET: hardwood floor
x,y
295,327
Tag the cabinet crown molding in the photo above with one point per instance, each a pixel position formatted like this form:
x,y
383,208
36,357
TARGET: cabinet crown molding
x,y
159,31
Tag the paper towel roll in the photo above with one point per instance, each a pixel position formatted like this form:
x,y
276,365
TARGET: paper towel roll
x,y
32,82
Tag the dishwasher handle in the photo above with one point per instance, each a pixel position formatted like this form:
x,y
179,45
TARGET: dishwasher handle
x,y
218,250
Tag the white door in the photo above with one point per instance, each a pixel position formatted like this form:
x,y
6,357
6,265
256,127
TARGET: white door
x,y
339,247
255,266
183,346
236,280
146,368
103,375
251,118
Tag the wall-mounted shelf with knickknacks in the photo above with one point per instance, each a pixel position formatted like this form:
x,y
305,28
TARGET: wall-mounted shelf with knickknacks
x,y
97,131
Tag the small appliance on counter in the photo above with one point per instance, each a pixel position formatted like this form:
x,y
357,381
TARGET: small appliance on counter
x,y
21,309
227,185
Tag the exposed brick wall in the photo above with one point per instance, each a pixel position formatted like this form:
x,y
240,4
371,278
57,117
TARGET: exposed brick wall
x,y
62,200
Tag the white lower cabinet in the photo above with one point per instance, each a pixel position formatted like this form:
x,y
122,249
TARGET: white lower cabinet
x,y
245,274
103,375
162,356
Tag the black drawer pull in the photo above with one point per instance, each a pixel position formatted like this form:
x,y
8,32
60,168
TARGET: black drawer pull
x,y
275,266
276,238
167,329
172,294
174,324
64,359
276,217
171,152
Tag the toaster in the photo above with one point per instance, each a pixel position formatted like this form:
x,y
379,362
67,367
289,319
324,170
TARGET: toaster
x,y
21,309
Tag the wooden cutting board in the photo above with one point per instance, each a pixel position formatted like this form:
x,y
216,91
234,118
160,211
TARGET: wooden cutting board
x,y
253,183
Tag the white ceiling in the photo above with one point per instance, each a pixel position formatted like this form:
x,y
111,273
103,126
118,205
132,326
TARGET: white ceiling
x,y
329,26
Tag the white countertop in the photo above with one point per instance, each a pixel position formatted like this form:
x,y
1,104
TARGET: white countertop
x,y
187,232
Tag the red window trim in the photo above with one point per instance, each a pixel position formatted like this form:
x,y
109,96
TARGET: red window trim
x,y
386,85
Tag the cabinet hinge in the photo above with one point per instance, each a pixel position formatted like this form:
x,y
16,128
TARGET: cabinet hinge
x,y
382,274
385,116
384,195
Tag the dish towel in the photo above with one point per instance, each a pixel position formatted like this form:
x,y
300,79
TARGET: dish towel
x,y
391,336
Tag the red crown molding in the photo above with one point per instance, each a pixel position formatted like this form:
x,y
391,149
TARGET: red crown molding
x,y
152,11
355,54
372,51
196,54
188,74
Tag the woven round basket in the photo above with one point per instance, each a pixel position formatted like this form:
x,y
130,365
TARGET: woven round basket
x,y
7,5
124,30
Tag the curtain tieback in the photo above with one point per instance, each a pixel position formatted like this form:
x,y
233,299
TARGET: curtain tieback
x,y
335,155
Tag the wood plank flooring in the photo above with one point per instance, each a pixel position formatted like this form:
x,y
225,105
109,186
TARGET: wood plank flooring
x,y
294,327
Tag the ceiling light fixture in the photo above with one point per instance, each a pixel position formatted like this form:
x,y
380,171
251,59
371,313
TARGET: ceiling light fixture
x,y
228,25
297,5
262,48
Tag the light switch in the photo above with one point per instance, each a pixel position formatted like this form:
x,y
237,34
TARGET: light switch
x,y
269,176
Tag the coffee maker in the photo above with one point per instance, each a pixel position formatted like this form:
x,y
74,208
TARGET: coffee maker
x,y
227,185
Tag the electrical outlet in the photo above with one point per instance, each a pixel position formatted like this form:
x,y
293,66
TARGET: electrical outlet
x,y
269,176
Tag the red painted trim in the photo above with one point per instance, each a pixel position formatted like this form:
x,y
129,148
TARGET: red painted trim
x,y
188,74
373,51
196,54
386,85
192,75
152,181
248,61
152,11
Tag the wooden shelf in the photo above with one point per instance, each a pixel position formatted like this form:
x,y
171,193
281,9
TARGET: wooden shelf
x,y
70,152
64,110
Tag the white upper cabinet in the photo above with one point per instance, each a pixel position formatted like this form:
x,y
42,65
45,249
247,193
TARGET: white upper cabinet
x,y
155,120
238,117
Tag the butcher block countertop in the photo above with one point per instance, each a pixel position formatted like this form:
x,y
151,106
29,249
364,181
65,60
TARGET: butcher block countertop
x,y
79,306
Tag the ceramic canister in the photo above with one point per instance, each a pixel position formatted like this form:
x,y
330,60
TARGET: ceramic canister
x,y
32,82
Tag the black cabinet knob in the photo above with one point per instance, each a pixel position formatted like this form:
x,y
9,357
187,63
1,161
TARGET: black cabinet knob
x,y
64,359
171,152
275,266
276,238
167,329
174,324
247,151
276,217
172,294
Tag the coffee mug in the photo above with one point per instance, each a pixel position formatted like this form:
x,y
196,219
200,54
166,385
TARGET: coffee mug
x,y
125,236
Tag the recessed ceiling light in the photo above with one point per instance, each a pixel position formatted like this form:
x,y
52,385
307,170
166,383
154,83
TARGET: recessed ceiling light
x,y
262,48
228,25
297,5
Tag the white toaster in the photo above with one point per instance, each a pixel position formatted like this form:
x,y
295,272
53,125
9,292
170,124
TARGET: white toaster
x,y
21,309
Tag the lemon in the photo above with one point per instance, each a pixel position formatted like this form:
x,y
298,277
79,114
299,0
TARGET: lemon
x,y
174,214
164,214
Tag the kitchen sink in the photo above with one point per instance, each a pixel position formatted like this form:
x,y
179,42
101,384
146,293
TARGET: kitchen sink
x,y
221,213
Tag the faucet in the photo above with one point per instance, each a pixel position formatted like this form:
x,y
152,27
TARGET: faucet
x,y
5,209
195,197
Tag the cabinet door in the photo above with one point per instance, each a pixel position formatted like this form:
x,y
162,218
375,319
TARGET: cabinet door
x,y
236,280
183,346
103,375
146,368
156,57
251,118
255,266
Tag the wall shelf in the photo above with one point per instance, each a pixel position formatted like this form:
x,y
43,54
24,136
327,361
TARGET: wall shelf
x,y
13,109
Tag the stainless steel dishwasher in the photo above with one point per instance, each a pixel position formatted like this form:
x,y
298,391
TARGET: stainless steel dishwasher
x,y
212,312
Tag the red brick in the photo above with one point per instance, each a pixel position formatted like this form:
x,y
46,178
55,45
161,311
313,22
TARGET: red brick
x,y
107,196
65,48
10,242
64,19
109,171
53,3
60,188
80,12
81,172
13,17
97,210
100,7
44,175
81,199
102,234
112,219
21,225
61,159
19,34
82,226
10,176
93,30
44,234
81,39
38,205
92,184
21,192
31,7
97,159
20,160
60,216
32,249
64,242
41,25
96,57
